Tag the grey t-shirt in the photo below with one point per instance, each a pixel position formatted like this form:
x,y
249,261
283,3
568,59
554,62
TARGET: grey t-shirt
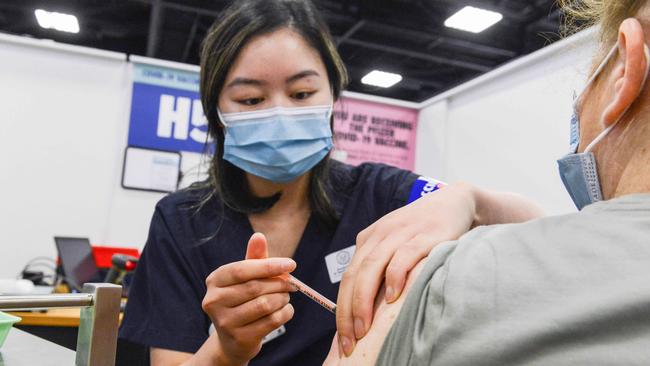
x,y
563,290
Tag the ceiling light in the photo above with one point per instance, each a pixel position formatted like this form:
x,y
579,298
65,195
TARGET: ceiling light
x,y
59,21
473,19
381,79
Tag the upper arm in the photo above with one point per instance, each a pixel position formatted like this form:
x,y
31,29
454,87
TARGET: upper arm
x,y
165,357
396,186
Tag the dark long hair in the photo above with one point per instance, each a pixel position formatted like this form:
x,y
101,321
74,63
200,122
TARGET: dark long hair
x,y
239,23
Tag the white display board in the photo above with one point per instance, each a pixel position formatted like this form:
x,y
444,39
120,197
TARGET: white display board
x,y
151,170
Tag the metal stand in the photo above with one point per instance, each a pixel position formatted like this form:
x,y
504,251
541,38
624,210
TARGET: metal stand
x,y
100,303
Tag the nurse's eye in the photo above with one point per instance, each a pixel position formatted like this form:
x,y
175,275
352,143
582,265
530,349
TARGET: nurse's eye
x,y
250,101
302,95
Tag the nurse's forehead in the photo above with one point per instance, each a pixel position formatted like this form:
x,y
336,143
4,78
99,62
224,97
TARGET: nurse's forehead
x,y
278,54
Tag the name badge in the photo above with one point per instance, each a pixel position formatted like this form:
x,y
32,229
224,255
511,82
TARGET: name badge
x,y
274,334
269,337
338,262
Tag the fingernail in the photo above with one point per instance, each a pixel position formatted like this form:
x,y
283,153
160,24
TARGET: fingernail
x,y
347,345
389,294
359,329
287,265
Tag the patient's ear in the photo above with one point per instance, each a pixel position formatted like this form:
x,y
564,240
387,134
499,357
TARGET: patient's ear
x,y
629,72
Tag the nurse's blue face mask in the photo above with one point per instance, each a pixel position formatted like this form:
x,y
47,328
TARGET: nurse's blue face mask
x,y
579,171
278,144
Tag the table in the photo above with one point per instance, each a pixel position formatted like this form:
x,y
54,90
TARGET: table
x,y
58,325
65,317
23,349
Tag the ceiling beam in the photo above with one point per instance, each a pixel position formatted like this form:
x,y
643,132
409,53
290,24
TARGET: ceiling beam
x,y
157,17
467,46
155,27
420,55
190,38
491,5
355,28
408,82
192,9
185,8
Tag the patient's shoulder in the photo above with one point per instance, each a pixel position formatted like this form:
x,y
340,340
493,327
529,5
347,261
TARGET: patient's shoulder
x,y
367,349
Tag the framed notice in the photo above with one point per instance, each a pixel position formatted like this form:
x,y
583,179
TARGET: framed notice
x,y
374,132
151,170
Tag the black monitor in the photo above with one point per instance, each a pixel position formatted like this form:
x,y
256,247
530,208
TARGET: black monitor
x,y
77,262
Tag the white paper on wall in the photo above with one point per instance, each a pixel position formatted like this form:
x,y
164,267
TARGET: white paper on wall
x,y
151,170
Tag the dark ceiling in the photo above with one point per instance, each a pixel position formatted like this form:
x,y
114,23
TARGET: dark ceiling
x,y
402,36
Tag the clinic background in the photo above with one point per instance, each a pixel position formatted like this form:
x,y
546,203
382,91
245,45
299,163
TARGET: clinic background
x,y
65,121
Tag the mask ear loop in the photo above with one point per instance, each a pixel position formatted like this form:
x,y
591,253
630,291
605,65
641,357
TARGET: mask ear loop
x,y
593,77
602,65
602,135
577,97
331,110
223,121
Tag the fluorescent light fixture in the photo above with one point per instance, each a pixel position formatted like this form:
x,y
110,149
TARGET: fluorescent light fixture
x,y
381,79
475,20
59,21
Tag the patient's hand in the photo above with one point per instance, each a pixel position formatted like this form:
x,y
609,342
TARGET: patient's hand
x,y
367,348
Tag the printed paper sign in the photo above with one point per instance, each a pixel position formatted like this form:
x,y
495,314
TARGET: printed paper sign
x,y
374,132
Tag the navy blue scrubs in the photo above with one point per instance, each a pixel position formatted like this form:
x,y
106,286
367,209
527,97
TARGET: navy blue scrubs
x,y
186,245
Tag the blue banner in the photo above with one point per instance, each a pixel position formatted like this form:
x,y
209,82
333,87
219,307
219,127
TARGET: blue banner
x,y
166,111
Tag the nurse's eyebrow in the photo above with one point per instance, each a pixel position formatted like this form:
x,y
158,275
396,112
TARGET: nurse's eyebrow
x,y
300,75
255,82
245,81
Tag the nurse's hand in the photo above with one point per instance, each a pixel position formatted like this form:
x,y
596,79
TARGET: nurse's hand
x,y
388,249
246,301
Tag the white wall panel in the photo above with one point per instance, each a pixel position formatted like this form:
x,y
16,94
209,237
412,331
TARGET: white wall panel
x,y
506,130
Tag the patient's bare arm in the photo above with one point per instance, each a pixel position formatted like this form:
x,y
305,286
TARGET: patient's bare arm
x,y
368,347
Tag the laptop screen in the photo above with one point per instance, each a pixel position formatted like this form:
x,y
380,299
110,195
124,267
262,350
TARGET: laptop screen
x,y
77,261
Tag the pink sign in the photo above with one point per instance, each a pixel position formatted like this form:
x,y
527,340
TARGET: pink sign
x,y
374,132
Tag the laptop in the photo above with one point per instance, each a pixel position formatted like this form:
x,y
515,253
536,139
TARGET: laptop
x,y
77,262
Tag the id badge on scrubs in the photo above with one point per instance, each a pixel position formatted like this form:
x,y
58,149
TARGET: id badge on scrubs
x,y
269,337
274,334
338,262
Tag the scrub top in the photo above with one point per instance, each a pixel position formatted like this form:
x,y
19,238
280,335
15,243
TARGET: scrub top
x,y
186,244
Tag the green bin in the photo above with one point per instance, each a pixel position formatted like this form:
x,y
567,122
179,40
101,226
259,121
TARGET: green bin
x,y
6,322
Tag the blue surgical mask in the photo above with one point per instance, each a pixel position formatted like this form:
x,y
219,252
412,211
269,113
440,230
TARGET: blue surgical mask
x,y
278,144
579,171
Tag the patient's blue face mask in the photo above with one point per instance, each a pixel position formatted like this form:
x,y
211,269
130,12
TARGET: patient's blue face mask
x,y
579,171
278,144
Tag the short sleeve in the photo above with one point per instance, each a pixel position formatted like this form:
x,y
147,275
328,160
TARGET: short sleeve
x,y
402,186
383,187
164,305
